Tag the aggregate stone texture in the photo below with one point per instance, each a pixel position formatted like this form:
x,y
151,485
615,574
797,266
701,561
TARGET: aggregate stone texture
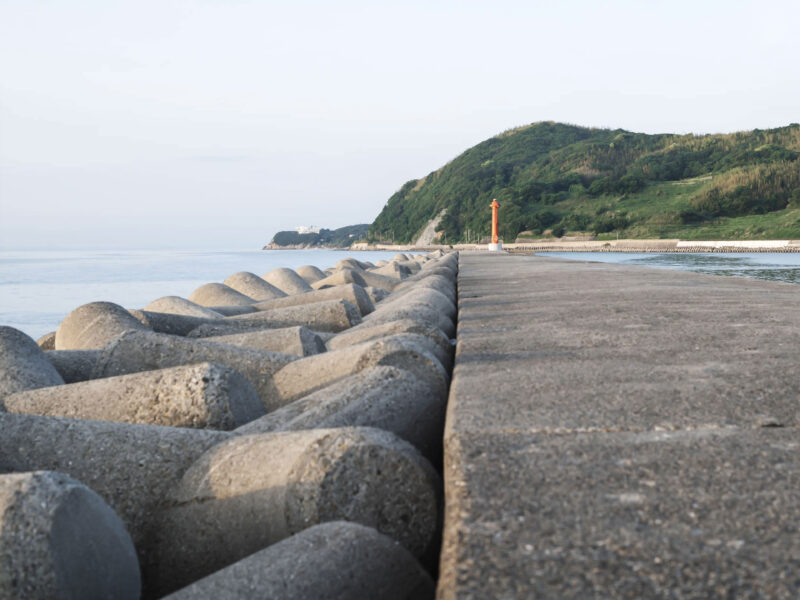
x,y
439,343
132,467
340,277
255,490
287,281
91,326
287,340
59,539
388,398
621,432
232,310
219,294
310,273
351,292
253,286
23,365
170,323
328,315
74,365
138,351
312,373
331,561
47,341
201,396
175,305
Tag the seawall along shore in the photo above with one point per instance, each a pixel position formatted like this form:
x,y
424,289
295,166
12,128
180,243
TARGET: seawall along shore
x,y
625,245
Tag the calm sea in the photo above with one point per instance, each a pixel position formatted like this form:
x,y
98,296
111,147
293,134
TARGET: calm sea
x,y
39,288
774,266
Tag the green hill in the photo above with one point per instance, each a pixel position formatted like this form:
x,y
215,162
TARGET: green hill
x,y
326,238
561,179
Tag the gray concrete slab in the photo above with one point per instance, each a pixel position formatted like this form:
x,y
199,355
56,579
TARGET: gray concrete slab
x,y
621,432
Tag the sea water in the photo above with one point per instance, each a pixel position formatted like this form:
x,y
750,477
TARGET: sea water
x,y
773,266
39,288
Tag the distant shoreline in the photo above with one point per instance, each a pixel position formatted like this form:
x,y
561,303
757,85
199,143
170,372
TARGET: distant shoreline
x,y
626,245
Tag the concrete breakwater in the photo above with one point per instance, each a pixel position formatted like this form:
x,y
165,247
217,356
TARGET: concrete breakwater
x,y
621,245
621,432
267,433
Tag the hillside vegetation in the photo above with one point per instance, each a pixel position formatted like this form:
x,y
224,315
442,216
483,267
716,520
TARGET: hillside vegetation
x,y
556,179
326,238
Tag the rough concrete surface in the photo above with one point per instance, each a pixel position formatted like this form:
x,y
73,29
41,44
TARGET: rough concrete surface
x,y
287,340
176,305
310,273
23,365
351,292
91,326
74,365
59,539
621,432
287,281
332,561
312,373
201,396
212,295
253,286
255,490
137,351
132,467
388,398
329,315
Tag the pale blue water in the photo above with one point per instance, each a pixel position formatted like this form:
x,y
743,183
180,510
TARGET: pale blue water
x,y
773,266
39,288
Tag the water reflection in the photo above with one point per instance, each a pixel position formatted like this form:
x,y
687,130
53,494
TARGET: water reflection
x,y
758,265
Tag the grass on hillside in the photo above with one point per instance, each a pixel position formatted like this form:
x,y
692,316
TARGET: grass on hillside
x,y
655,212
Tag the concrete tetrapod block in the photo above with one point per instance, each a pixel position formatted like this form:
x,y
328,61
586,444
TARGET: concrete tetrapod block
x,y
335,561
74,365
47,341
252,286
287,281
351,263
219,294
376,294
59,539
252,491
202,396
392,269
175,305
310,374
23,365
131,466
232,311
379,281
388,398
412,310
170,323
329,315
424,295
310,273
441,284
298,341
440,345
341,277
353,293
138,351
93,325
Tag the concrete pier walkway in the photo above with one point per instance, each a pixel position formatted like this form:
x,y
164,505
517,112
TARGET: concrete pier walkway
x,y
621,432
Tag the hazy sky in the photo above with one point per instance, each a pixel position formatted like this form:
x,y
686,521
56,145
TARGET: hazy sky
x,y
214,124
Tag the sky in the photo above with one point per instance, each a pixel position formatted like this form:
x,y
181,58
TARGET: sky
x,y
209,124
